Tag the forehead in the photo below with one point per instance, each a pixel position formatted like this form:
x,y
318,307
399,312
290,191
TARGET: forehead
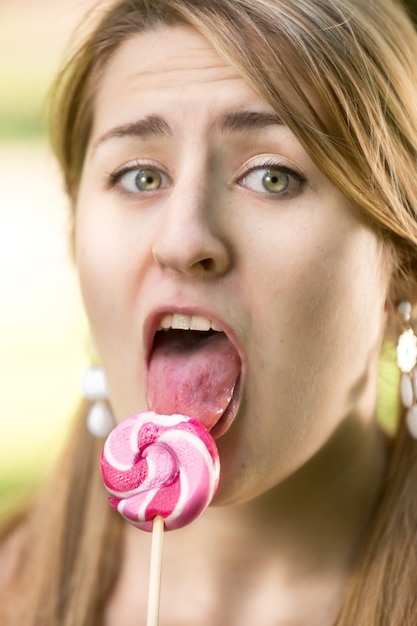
x,y
166,67
178,65
170,54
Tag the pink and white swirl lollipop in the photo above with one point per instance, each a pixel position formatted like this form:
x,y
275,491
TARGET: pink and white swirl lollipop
x,y
160,465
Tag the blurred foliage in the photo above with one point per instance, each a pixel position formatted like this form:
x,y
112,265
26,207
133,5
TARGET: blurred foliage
x,y
388,388
33,37
22,103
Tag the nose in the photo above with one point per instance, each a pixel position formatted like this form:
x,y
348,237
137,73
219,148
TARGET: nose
x,y
189,239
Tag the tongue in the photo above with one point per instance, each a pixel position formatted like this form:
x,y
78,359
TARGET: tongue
x,y
193,374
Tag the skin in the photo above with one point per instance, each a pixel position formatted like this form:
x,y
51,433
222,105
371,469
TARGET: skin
x,y
300,283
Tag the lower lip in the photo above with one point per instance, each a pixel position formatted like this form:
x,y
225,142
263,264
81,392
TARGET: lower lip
x,y
227,418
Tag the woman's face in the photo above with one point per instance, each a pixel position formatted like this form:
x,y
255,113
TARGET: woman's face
x,y
198,208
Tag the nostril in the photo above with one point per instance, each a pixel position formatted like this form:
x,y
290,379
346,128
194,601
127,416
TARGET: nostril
x,y
207,264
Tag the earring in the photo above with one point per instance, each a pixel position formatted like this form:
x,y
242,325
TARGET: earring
x,y
100,421
406,361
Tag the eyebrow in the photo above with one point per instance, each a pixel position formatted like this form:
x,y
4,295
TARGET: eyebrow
x,y
151,125
249,120
154,125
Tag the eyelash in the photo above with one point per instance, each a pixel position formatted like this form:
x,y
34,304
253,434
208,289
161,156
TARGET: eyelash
x,y
295,178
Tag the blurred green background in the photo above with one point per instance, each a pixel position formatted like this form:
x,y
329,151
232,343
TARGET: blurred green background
x,y
43,332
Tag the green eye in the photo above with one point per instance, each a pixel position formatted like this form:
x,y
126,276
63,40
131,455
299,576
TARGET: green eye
x,y
278,180
134,180
275,181
147,180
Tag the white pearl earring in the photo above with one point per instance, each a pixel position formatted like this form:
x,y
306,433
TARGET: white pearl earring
x,y
100,421
406,361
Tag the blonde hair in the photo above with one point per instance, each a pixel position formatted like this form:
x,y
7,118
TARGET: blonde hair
x,y
357,59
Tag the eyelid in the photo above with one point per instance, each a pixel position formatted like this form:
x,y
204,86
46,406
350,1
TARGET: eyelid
x,y
268,162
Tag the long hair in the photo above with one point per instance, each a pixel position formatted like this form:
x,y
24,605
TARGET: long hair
x,y
357,59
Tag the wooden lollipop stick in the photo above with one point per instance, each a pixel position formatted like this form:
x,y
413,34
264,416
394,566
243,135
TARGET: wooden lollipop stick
x,y
154,591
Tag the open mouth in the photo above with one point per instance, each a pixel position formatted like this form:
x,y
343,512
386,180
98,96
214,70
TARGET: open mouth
x,y
194,369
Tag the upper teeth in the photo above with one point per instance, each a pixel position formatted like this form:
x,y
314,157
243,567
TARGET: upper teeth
x,y
186,322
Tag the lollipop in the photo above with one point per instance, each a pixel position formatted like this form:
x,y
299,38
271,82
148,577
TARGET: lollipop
x,y
162,471
160,465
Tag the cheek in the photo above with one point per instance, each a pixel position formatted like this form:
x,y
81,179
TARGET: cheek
x,y
94,269
102,255
99,261
342,303
321,301
323,272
